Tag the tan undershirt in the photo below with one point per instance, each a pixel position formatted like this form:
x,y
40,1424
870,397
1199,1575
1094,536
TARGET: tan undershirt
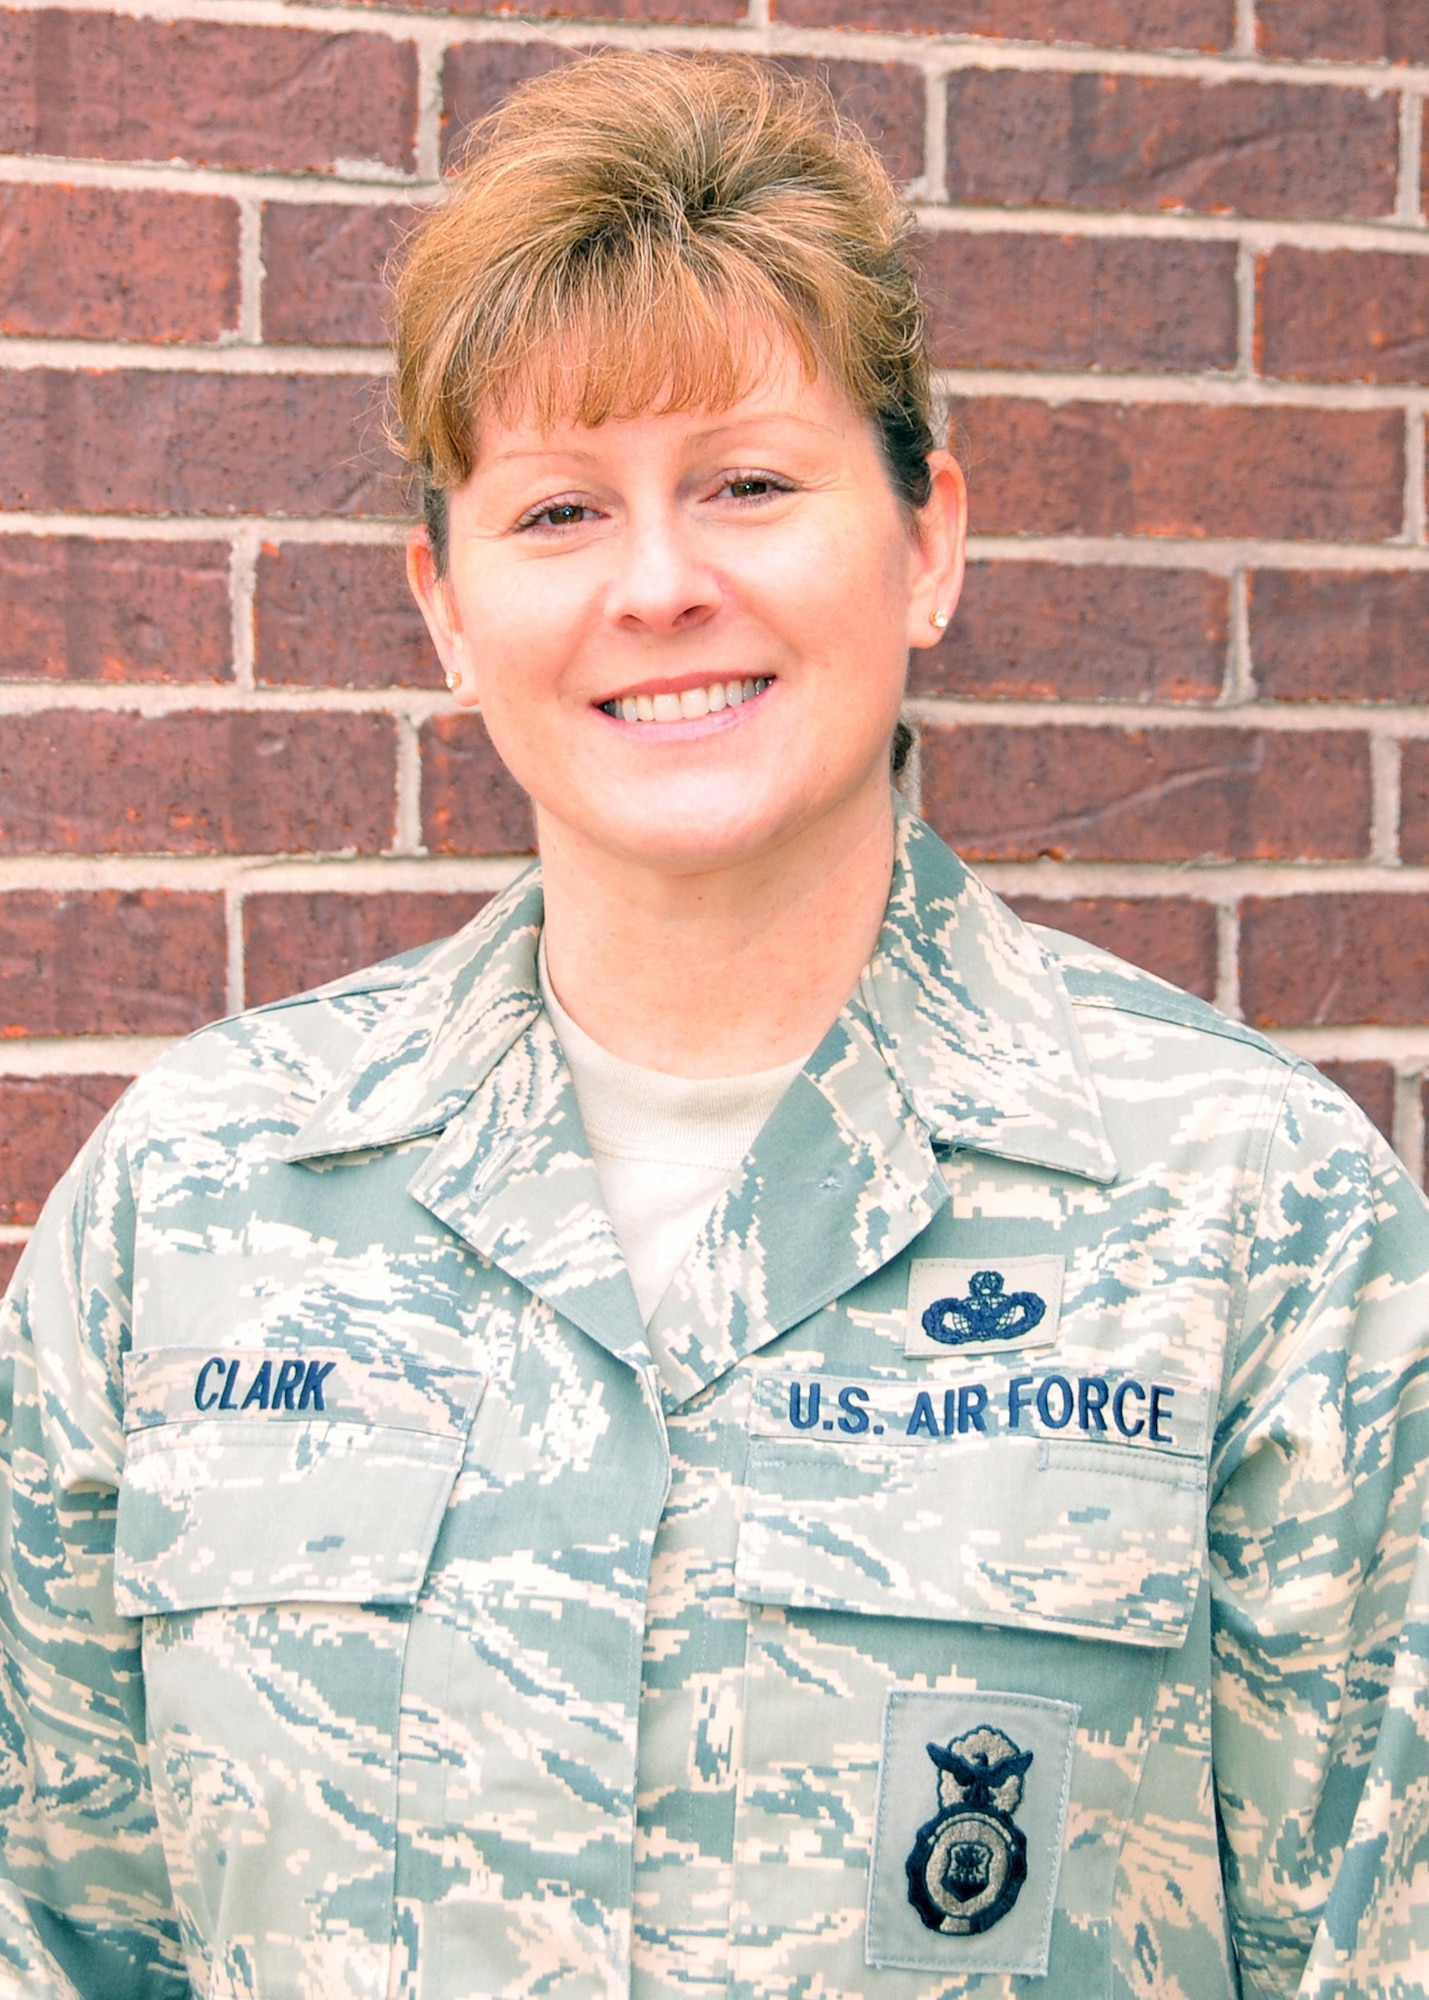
x,y
665,1147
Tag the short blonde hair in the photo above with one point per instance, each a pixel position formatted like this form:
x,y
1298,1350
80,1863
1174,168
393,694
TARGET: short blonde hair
x,y
628,233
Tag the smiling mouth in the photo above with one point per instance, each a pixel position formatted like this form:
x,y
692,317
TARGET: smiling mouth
x,y
686,707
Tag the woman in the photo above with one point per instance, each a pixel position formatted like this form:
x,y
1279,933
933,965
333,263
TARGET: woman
x,y
746,1424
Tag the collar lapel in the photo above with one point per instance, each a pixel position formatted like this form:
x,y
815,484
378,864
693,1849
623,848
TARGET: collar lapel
x,y
976,1022
469,1054
472,998
840,1179
512,1175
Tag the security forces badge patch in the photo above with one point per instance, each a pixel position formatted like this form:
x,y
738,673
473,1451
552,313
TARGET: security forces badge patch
x,y
968,1864
973,1889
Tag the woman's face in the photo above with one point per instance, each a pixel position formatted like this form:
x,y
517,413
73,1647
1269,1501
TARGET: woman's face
x,y
688,632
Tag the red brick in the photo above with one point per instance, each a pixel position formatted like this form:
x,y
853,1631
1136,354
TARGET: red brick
x,y
147,441
111,962
1369,31
1175,940
293,942
1343,316
44,1120
1183,469
1414,812
209,93
104,264
10,1255
1147,24
82,610
340,615
240,783
1371,1085
1081,634
470,802
1087,141
888,100
1084,794
477,76
323,264
1328,635
1018,301
1341,959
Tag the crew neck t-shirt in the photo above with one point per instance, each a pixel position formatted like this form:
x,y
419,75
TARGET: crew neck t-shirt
x,y
665,1147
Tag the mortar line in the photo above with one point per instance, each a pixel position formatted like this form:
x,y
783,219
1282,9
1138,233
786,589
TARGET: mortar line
x,y
935,138
1207,391
1246,261
407,815
1408,1129
243,589
1240,675
1408,199
1414,476
431,57
250,271
1385,763
1228,959
1245,36
1212,883
233,921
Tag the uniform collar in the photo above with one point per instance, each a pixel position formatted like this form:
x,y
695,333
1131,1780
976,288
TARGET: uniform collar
x,y
970,1017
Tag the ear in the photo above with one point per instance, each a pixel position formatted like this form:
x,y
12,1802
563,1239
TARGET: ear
x,y
437,603
940,551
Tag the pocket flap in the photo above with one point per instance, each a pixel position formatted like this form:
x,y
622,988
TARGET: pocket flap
x,y
1095,1539
253,1475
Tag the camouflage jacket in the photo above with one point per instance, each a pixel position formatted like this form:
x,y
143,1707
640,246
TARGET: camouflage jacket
x,y
996,1569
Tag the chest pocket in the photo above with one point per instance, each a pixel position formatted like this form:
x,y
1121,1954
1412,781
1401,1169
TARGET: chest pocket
x,y
914,1501
957,1546
276,1521
254,1476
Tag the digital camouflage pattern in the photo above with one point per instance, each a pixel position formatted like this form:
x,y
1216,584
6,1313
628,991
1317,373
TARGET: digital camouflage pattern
x,y
389,1613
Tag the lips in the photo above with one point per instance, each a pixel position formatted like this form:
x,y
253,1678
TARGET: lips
x,y
688,705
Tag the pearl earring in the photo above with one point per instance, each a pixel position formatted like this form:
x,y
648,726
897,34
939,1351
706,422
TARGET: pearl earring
x,y
453,679
938,620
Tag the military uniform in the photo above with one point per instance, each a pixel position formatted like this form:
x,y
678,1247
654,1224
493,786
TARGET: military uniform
x,y
996,1569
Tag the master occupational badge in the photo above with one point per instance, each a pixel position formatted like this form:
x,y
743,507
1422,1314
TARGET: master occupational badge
x,y
969,1863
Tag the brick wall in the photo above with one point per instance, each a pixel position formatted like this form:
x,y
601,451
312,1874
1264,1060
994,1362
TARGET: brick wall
x,y
1178,270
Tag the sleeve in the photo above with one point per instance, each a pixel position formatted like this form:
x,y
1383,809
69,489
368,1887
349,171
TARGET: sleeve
x,y
85,1910
1320,1587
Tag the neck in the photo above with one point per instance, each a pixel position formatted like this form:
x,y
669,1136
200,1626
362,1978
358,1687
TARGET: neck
x,y
722,972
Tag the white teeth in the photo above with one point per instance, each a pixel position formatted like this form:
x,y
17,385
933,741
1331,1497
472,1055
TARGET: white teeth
x,y
686,707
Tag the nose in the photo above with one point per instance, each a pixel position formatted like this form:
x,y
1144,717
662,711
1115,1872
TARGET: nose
x,y
661,582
